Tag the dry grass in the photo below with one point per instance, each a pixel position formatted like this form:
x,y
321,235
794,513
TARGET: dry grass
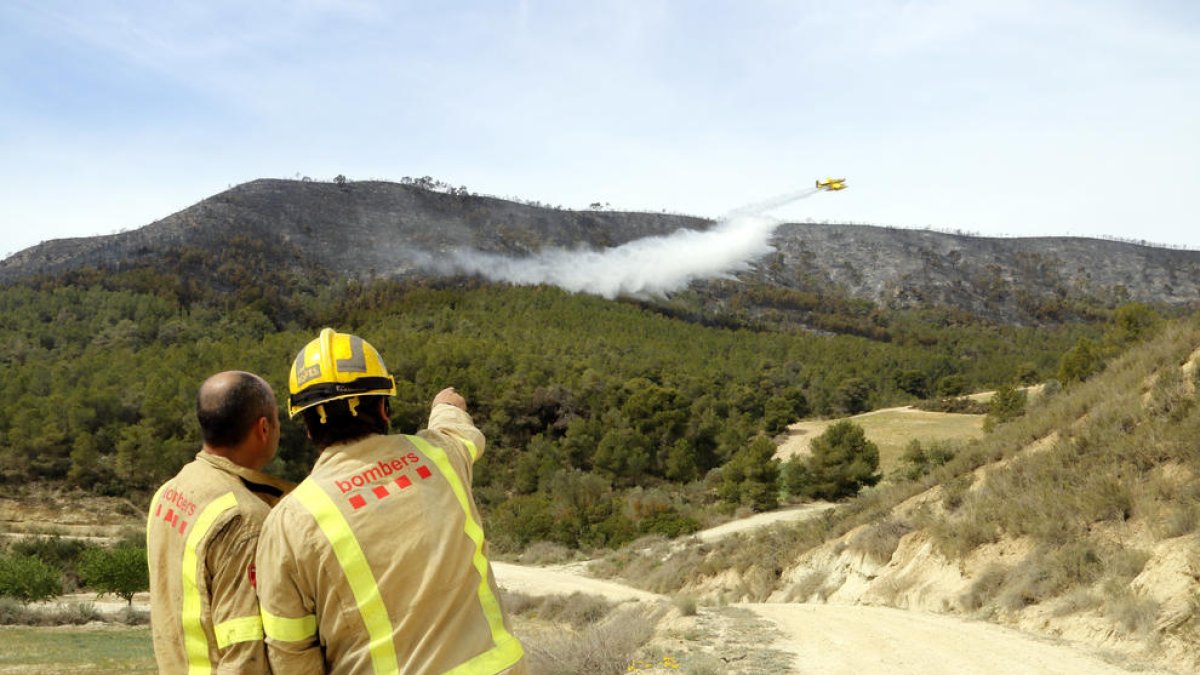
x,y
811,584
686,604
892,430
984,588
607,647
1078,601
541,553
577,610
879,541
13,613
1133,613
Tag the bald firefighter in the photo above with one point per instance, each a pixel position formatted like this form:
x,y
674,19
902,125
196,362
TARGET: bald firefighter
x,y
376,563
202,534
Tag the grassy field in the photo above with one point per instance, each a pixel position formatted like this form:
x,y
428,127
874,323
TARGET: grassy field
x,y
74,649
892,430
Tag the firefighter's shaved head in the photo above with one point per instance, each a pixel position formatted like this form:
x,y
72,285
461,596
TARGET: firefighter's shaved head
x,y
229,404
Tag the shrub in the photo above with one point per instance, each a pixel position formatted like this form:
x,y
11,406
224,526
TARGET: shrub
x,y
577,609
751,477
1008,403
546,553
852,396
607,647
1132,612
1080,362
843,462
797,479
1124,564
1182,519
57,552
686,604
119,571
919,460
984,588
1048,573
1049,390
951,386
669,523
131,616
14,612
808,585
879,541
28,579
1078,601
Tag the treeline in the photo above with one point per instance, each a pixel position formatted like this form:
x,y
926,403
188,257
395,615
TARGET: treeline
x,y
605,419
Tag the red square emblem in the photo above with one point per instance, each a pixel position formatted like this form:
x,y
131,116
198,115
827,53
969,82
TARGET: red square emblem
x,y
357,501
380,491
403,482
423,471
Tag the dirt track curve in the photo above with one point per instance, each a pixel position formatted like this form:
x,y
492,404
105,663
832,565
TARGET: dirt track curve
x,y
857,639
861,640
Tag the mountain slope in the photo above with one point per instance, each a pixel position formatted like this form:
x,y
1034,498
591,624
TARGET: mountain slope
x,y
358,230
369,229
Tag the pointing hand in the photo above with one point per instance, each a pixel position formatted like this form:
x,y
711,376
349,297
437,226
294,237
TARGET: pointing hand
x,y
448,395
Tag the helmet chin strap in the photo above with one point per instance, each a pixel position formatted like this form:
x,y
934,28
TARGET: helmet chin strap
x,y
352,404
321,412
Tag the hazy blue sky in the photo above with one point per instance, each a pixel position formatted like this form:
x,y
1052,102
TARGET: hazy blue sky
x,y
1005,117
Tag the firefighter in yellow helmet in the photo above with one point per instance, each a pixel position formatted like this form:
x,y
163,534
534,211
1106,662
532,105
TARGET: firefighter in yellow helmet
x,y
202,532
376,562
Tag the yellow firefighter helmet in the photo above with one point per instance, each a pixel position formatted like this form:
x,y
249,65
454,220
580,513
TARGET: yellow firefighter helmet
x,y
336,366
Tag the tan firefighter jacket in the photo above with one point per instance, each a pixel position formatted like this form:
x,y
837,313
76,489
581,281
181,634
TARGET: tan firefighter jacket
x,y
201,537
376,562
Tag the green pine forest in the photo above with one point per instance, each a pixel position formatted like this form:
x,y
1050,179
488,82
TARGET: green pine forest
x,y
605,420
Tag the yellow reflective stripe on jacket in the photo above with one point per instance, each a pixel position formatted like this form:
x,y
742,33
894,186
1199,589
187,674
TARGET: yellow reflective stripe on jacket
x,y
358,574
194,640
242,629
507,650
474,451
471,448
150,513
285,629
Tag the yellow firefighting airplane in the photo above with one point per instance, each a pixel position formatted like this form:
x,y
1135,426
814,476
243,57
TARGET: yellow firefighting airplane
x,y
831,184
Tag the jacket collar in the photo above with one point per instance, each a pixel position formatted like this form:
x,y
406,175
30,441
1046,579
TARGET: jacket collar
x,y
258,482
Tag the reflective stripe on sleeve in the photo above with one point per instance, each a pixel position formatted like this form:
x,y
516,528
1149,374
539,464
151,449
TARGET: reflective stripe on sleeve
x,y
358,573
194,640
242,629
507,649
471,448
284,629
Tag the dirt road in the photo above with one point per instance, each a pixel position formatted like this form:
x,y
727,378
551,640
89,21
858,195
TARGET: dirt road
x,y
759,520
563,580
862,640
854,639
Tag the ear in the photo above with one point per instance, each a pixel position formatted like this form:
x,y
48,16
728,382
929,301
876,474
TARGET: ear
x,y
264,427
383,410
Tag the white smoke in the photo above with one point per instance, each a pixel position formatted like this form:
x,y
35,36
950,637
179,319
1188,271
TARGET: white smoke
x,y
652,266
